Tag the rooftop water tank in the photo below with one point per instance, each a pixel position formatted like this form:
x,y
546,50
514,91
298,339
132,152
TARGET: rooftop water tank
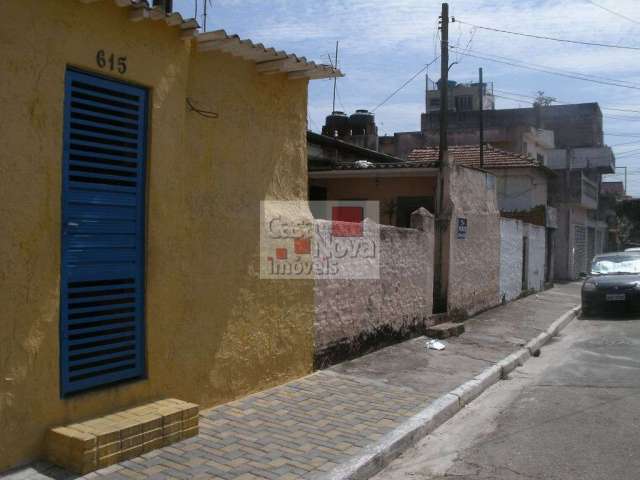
x,y
363,122
450,83
336,122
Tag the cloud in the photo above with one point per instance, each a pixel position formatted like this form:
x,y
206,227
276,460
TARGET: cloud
x,y
384,42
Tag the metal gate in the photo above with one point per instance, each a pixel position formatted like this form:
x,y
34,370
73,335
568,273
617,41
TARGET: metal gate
x,y
580,256
591,246
102,271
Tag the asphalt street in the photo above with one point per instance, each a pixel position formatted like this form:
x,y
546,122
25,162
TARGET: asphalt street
x,y
572,413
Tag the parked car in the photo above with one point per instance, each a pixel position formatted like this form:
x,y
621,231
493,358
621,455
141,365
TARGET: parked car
x,y
614,281
634,249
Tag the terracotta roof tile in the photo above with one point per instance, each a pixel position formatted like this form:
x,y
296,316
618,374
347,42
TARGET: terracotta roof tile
x,y
469,156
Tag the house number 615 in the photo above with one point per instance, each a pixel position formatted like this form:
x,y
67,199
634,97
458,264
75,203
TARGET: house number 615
x,y
110,61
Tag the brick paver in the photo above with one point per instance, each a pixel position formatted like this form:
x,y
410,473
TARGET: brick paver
x,y
293,431
307,427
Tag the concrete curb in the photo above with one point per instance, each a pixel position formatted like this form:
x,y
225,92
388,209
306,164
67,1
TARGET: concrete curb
x,y
394,443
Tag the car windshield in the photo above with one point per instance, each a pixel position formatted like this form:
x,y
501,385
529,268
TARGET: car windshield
x,y
616,264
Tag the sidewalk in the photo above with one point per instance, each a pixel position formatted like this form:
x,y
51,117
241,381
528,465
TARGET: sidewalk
x,y
309,427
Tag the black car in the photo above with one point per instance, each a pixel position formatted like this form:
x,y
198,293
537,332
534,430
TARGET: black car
x,y
614,282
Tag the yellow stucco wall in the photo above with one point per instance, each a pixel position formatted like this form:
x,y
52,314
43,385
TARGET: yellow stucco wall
x,y
214,331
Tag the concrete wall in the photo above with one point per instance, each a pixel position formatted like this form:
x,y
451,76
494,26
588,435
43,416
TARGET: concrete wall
x,y
349,312
474,262
511,239
536,255
213,330
402,143
520,189
574,125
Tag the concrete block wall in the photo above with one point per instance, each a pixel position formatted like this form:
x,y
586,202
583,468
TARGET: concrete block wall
x,y
350,313
511,240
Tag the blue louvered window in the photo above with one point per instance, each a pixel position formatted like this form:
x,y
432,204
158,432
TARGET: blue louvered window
x,y
103,218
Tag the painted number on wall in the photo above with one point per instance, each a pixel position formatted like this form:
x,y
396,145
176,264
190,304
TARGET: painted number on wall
x,y
110,61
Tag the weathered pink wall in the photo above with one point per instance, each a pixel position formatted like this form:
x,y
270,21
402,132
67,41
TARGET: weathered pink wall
x,y
474,262
349,311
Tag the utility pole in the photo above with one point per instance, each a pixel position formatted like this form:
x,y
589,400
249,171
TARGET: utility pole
x,y
481,119
444,85
335,79
625,178
442,220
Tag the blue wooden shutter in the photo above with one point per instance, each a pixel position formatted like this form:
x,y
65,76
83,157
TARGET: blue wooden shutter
x,y
103,196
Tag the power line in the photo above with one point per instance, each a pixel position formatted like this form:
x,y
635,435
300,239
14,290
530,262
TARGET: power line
x,y
629,151
515,93
413,77
561,101
578,76
630,135
612,12
621,109
553,69
622,119
518,100
624,144
542,37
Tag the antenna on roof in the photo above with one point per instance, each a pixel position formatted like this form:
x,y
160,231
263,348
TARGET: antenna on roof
x,y
204,15
335,79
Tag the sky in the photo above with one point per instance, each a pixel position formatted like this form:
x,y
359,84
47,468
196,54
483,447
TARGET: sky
x,y
383,43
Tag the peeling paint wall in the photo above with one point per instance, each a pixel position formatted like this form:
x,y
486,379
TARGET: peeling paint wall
x,y
214,331
350,311
474,262
511,240
536,255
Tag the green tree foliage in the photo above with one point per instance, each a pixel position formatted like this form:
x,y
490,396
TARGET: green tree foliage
x,y
628,212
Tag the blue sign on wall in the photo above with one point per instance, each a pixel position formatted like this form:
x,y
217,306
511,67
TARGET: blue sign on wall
x,y
462,229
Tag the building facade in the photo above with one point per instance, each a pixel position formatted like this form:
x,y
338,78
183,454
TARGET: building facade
x,y
463,97
130,200
567,139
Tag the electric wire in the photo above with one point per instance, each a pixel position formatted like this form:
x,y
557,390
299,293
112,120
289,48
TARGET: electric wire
x,y
553,69
543,37
413,77
613,12
533,97
550,72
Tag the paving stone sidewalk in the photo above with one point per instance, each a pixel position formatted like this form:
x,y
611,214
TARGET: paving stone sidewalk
x,y
306,428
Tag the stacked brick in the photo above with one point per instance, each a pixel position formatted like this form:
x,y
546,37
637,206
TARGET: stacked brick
x,y
88,446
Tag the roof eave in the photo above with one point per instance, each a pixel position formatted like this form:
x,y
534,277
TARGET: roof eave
x,y
268,60
375,173
314,137
140,10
